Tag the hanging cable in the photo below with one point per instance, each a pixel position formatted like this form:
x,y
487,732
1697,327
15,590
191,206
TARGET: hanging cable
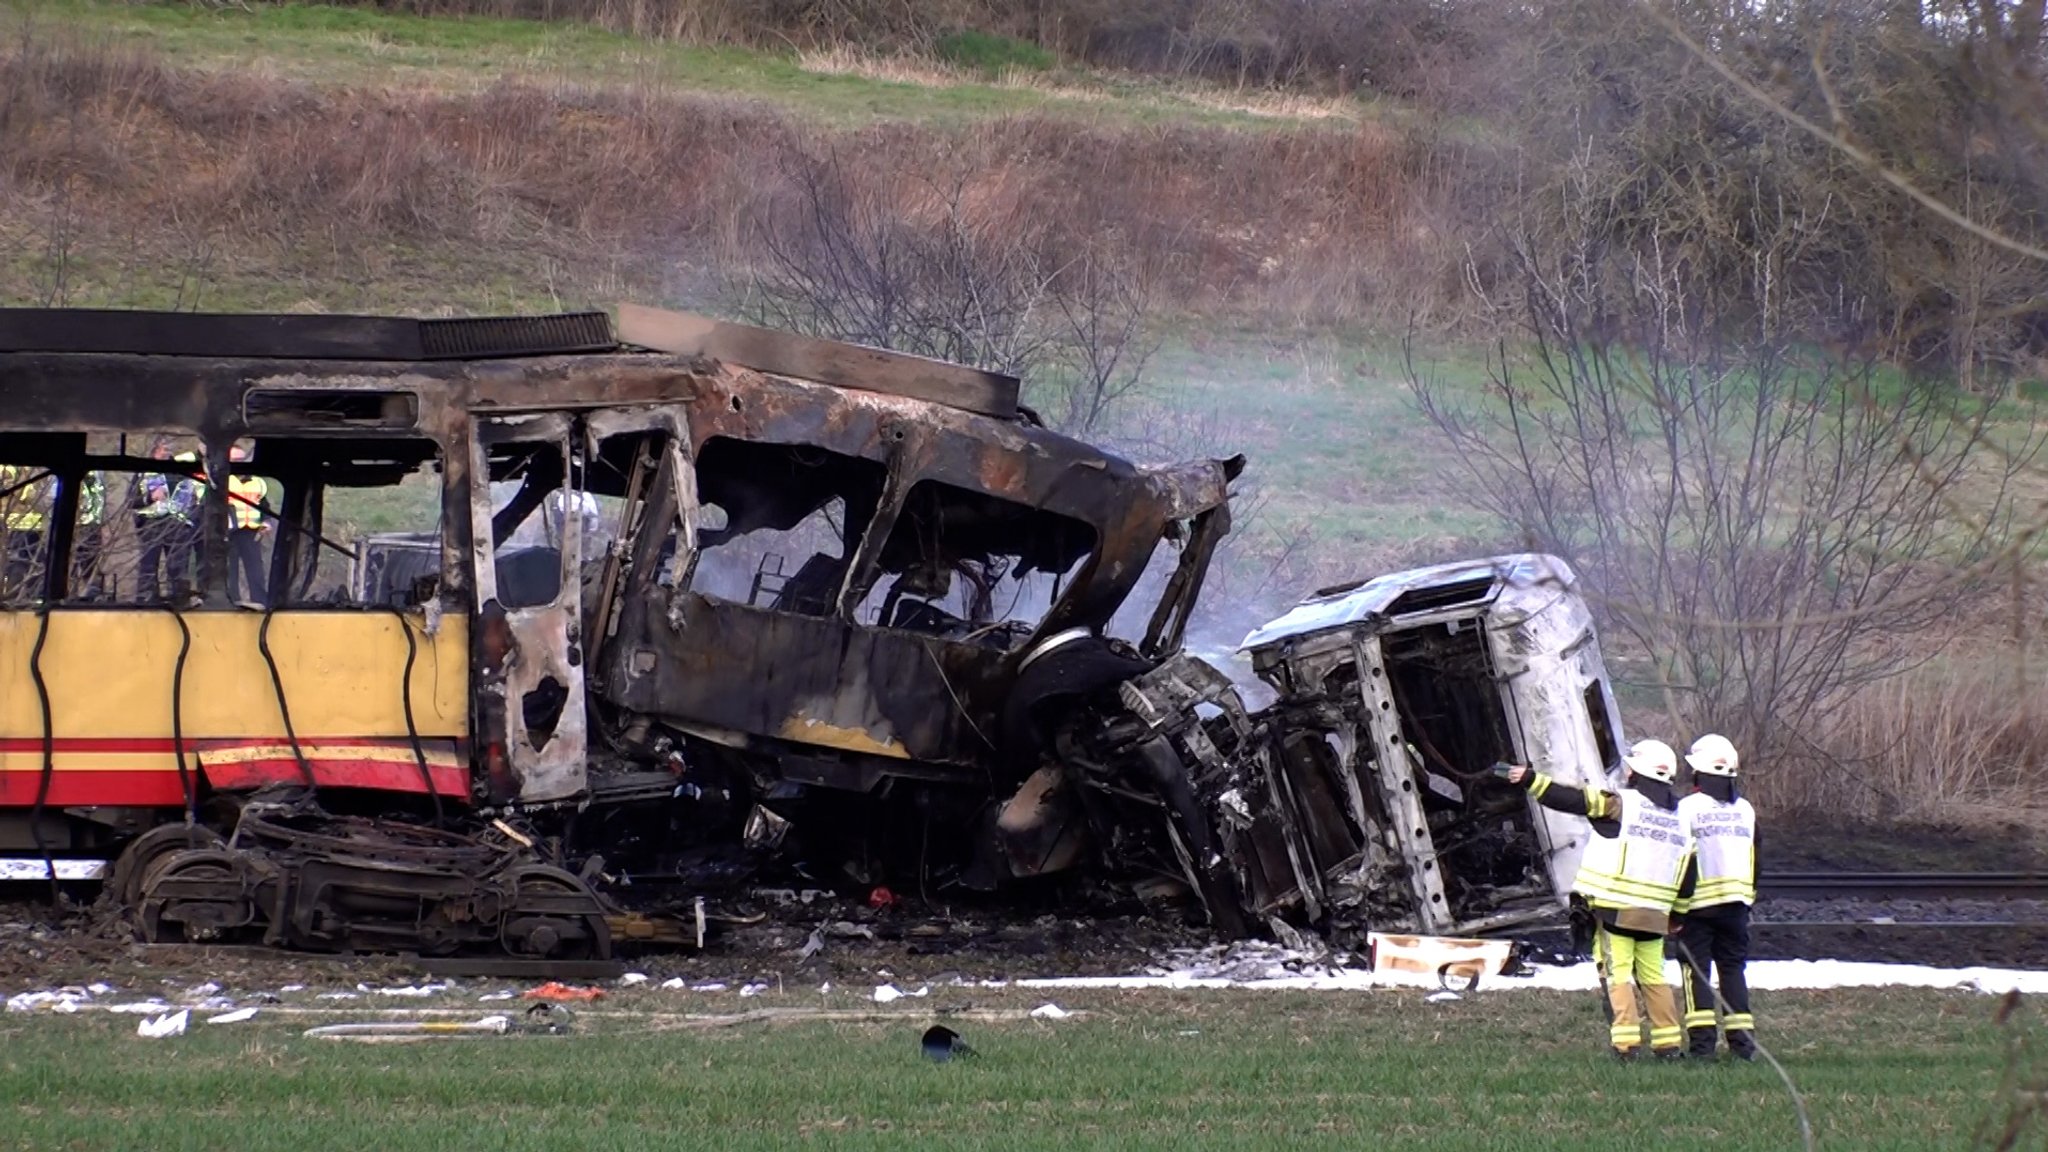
x,y
283,709
178,714
35,819
412,730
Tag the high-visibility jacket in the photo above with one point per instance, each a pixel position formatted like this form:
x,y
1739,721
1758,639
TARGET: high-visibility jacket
x,y
26,507
1724,838
245,494
92,499
1641,864
169,497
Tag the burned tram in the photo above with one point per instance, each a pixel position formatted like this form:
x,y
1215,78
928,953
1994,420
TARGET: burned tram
x,y
684,600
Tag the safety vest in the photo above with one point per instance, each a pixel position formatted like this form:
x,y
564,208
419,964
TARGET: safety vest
x,y
92,499
1724,838
24,505
1642,866
245,493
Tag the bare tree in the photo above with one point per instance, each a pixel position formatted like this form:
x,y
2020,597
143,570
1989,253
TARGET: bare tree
x,y
911,267
922,263
1767,522
1103,346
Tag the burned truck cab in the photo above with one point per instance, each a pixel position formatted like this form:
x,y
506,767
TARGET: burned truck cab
x,y
1396,695
868,565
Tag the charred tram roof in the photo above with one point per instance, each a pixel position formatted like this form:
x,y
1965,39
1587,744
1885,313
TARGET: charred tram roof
x,y
284,378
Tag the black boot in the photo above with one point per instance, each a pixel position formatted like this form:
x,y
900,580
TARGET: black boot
x,y
1700,1043
1742,1045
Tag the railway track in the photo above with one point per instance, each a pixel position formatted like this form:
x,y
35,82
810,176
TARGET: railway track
x,y
1903,885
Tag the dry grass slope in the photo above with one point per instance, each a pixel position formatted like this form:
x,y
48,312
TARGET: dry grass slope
x,y
119,166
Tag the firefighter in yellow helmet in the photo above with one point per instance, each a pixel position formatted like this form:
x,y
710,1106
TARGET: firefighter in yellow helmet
x,y
1629,876
1714,901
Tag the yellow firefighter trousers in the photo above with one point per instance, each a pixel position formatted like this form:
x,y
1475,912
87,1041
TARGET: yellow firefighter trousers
x,y
1632,965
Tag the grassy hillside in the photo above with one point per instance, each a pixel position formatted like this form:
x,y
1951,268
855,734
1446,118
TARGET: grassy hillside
x,y
337,159
329,46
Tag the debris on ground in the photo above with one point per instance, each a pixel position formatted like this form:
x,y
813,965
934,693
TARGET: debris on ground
x,y
554,990
941,1044
388,1030
169,1024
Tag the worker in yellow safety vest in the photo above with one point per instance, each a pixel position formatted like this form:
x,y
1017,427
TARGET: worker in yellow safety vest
x,y
166,505
1629,875
247,526
89,547
25,498
1714,901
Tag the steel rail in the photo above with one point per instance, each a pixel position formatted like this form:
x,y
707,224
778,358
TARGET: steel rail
x,y
1903,885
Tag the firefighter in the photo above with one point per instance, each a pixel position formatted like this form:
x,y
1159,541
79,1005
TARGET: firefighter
x,y
247,528
1714,902
1629,876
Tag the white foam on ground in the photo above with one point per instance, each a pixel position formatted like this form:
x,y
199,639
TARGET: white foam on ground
x,y
1769,975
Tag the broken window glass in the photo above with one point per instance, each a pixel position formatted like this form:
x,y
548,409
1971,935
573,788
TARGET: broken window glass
x,y
533,511
970,566
382,500
780,522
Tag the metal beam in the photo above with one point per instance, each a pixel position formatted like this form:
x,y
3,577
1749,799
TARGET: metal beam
x,y
825,361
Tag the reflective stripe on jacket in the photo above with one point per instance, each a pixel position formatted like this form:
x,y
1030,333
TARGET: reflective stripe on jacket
x,y
245,494
1641,864
1724,838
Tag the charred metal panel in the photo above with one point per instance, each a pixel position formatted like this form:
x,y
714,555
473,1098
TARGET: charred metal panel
x,y
298,337
1394,776
829,361
1541,635
811,680
537,678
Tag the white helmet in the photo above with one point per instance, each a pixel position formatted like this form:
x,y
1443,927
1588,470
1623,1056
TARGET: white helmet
x,y
1652,758
1713,755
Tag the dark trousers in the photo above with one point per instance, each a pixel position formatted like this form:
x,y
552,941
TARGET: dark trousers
x,y
1714,942
88,580
24,564
167,544
245,560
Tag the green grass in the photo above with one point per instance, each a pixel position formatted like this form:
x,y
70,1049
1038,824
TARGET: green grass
x,y
1336,443
345,45
1517,1071
992,55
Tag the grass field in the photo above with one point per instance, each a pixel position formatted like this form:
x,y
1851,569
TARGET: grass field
x,y
1524,1071
345,45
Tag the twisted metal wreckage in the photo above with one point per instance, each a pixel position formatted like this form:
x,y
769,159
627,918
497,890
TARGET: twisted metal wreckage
x,y
703,602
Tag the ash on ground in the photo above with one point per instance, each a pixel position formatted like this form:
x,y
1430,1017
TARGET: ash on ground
x,y
787,939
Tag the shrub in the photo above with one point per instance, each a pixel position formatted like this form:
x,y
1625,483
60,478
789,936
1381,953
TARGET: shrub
x,y
990,54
